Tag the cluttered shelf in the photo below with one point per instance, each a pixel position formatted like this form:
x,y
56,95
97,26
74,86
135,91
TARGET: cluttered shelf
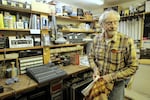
x,y
13,8
19,49
137,14
131,15
20,8
38,47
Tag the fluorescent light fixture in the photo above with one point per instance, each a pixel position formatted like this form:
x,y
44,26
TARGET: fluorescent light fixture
x,y
98,2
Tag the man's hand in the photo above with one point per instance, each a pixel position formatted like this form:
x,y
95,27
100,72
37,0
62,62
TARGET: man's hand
x,y
96,73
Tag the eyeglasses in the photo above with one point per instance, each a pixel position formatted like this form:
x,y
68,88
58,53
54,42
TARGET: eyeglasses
x,y
110,22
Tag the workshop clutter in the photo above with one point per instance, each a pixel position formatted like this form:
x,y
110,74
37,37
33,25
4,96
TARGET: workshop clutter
x,y
63,9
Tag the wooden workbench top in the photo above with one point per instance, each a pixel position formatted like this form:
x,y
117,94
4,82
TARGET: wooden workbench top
x,y
73,69
25,83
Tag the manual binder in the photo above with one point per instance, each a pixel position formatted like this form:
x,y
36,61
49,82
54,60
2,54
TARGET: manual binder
x,y
1,21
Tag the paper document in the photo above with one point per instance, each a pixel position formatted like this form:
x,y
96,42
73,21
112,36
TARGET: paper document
x,y
86,90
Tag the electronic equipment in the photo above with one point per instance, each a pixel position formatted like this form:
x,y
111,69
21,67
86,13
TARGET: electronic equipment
x,y
40,93
57,96
28,62
2,42
56,87
37,41
72,91
75,37
20,42
145,53
74,85
79,37
29,53
80,12
45,73
77,88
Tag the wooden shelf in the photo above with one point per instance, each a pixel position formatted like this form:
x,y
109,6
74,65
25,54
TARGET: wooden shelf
x,y
20,49
22,30
18,9
38,47
66,45
86,20
74,18
8,59
139,14
78,30
37,12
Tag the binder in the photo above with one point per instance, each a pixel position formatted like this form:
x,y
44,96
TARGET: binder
x,y
1,21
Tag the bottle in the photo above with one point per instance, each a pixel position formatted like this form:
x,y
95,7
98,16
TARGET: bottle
x,y
14,70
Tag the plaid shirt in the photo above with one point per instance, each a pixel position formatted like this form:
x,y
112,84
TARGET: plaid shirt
x,y
116,57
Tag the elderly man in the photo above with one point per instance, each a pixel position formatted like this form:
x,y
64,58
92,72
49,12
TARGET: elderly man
x,y
113,56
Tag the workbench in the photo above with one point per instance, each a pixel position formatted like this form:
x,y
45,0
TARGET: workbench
x,y
26,84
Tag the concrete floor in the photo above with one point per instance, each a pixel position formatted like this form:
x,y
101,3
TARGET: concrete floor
x,y
140,88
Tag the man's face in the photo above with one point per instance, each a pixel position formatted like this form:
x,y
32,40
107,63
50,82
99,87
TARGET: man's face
x,y
111,24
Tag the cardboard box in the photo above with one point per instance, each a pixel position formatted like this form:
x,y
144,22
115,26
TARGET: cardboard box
x,y
74,58
44,8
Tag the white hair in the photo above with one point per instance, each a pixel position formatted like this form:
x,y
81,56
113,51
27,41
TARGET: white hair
x,y
105,14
